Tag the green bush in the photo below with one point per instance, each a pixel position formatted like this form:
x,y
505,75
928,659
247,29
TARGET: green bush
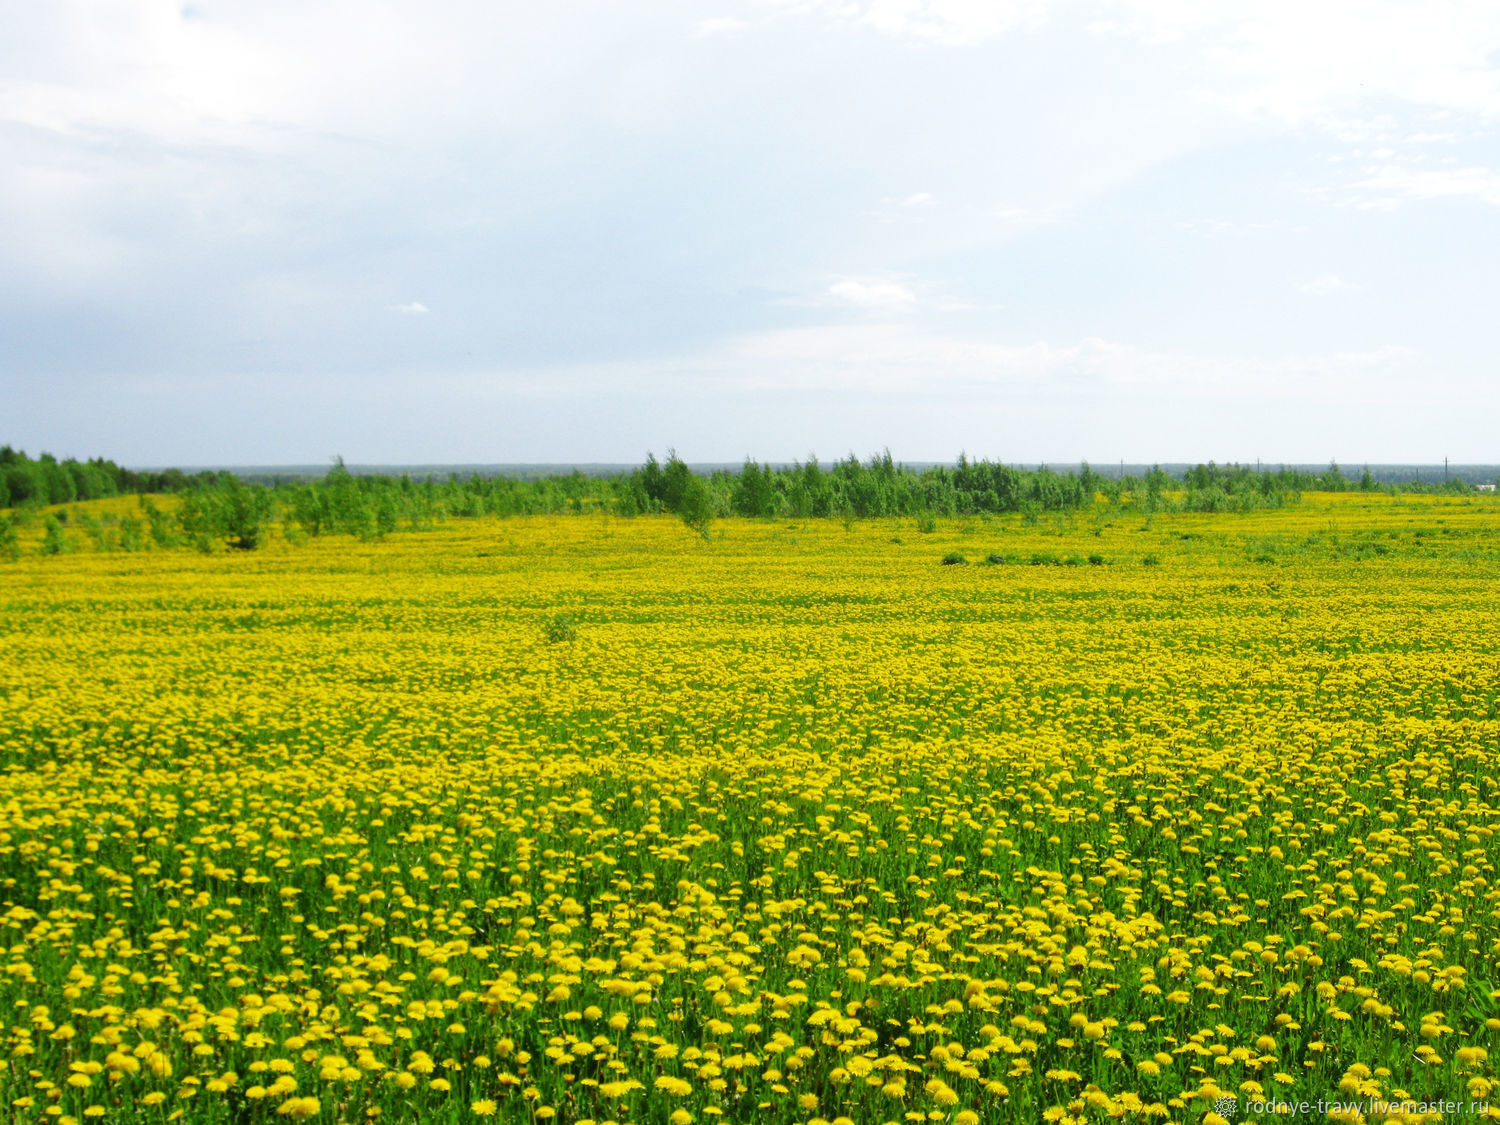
x,y
10,542
953,558
132,534
54,538
163,533
559,629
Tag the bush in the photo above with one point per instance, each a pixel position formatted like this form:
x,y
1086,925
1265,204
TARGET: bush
x,y
98,534
995,560
926,523
54,539
10,542
1151,560
1045,558
132,534
559,629
953,558
163,533
1096,560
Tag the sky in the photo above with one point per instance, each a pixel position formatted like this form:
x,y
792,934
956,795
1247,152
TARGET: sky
x,y
1159,230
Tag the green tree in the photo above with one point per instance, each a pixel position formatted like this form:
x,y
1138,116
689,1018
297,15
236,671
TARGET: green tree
x,y
695,504
242,514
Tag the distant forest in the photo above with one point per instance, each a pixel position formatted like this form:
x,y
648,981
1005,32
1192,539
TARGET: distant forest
x,y
219,506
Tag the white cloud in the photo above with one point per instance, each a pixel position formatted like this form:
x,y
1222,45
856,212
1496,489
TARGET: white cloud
x,y
951,23
873,293
1300,63
719,25
885,294
1326,285
900,358
1394,184
1322,64
903,357
413,308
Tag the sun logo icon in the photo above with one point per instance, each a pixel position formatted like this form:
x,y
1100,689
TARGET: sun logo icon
x,y
1226,1107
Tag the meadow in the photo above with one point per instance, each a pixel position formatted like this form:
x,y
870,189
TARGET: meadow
x,y
585,819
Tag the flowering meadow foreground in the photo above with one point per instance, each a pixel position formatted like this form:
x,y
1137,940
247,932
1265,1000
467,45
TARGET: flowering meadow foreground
x,y
590,819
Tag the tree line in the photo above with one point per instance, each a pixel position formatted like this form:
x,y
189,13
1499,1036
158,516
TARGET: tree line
x,y
217,509
46,480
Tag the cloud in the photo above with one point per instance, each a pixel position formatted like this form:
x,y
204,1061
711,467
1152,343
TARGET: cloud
x,y
894,358
1326,285
1393,184
923,393
413,308
950,23
876,294
1282,60
719,25
873,293
900,358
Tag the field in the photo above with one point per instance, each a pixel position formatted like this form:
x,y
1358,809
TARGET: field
x,y
590,819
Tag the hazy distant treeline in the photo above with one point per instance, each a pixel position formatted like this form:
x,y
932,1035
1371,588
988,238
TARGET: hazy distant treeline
x,y
218,508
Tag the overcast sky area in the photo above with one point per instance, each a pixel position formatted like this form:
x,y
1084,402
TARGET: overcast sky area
x,y
268,232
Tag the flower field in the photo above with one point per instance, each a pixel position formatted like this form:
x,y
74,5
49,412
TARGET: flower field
x,y
587,819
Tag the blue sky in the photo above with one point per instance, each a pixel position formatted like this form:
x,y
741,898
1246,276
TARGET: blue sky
x,y
469,232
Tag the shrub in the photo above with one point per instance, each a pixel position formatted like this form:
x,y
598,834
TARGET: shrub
x,y
163,534
953,558
1151,560
54,539
10,543
926,523
1096,560
132,534
559,629
94,528
995,560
